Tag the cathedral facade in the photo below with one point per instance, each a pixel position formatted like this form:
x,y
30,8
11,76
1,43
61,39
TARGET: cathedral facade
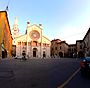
x,y
32,44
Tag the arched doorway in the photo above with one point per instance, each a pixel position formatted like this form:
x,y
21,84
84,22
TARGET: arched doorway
x,y
4,53
34,52
60,54
44,54
24,53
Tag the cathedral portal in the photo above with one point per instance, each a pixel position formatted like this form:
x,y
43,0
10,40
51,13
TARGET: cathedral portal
x,y
35,52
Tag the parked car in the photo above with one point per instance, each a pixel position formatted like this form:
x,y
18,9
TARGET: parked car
x,y
85,65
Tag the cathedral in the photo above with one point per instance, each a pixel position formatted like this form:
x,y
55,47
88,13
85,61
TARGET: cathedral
x,y
32,44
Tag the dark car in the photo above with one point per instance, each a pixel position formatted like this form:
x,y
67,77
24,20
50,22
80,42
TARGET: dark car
x,y
85,65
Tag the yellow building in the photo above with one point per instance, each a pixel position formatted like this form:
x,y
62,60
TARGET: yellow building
x,y
5,36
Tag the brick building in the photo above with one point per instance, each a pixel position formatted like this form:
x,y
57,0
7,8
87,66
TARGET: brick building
x,y
5,36
80,49
59,48
86,43
72,52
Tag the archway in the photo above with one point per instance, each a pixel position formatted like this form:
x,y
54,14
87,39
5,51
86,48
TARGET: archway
x,y
24,53
44,54
34,52
4,53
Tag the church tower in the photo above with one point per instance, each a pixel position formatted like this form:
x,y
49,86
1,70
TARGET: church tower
x,y
15,30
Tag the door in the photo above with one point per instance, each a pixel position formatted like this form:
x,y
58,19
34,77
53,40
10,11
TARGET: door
x,y
34,53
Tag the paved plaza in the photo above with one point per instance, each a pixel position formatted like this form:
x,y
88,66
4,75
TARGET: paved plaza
x,y
36,73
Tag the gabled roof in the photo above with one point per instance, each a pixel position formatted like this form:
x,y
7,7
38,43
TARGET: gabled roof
x,y
86,33
55,40
62,42
36,26
46,38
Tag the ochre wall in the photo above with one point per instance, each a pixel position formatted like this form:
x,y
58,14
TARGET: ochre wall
x,y
5,34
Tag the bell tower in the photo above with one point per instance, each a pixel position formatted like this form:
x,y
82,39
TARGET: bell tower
x,y
15,30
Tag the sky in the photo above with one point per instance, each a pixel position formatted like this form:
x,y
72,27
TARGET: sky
x,y
67,20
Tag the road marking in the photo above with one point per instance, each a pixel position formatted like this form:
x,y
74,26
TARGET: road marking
x,y
69,79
